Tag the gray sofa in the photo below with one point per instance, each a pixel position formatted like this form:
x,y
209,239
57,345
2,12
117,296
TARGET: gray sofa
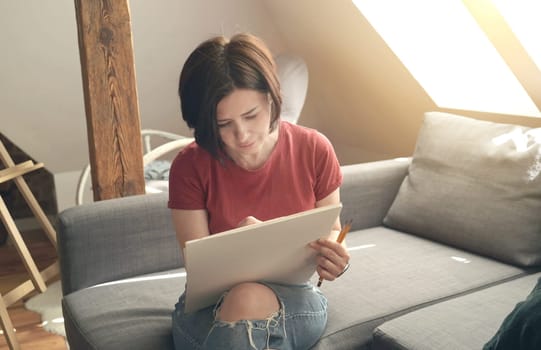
x,y
437,261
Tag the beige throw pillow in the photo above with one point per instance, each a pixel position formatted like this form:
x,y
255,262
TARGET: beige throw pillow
x,y
475,185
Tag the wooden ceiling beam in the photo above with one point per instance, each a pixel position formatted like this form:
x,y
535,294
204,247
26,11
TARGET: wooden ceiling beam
x,y
110,95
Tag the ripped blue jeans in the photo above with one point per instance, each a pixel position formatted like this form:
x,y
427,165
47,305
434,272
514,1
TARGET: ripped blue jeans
x,y
297,325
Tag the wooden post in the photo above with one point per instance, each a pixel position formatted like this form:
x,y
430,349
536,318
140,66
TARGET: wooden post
x,y
112,112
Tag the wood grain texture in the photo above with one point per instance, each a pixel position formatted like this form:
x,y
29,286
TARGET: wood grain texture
x,y
110,93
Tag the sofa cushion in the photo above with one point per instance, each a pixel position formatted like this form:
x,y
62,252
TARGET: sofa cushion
x,y
475,185
128,314
466,322
521,328
393,273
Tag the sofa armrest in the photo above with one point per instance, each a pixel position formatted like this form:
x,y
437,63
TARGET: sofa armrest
x,y
368,190
115,239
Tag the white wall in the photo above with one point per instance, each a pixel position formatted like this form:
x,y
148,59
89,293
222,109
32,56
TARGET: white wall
x,y
166,31
41,101
66,183
41,94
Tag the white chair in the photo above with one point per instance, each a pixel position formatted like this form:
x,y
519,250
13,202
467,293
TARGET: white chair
x,y
177,142
293,75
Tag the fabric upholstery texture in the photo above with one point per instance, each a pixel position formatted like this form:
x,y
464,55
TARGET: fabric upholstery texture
x,y
132,236
467,322
475,185
117,243
368,190
521,329
392,273
134,314
359,301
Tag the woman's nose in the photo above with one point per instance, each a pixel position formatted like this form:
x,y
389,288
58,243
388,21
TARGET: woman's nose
x,y
241,132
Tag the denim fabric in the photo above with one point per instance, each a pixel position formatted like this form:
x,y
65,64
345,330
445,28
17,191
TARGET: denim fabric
x,y
297,325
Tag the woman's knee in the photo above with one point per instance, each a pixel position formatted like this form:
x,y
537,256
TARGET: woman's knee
x,y
248,301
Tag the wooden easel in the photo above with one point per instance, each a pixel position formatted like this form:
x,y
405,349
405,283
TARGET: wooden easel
x,y
38,278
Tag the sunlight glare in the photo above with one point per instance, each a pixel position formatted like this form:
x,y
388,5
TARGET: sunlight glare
x,y
523,142
442,46
142,279
150,189
523,18
364,246
58,320
462,260
2,331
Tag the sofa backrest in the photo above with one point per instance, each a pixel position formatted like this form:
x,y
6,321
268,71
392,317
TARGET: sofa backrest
x,y
125,237
368,190
114,239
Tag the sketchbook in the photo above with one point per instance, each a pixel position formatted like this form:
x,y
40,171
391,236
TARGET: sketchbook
x,y
275,251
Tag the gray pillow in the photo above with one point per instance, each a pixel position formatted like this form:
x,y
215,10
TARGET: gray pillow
x,y
475,185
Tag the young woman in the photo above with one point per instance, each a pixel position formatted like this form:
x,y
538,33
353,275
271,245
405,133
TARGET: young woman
x,y
247,165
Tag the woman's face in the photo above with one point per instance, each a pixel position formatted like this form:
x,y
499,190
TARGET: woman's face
x,y
243,118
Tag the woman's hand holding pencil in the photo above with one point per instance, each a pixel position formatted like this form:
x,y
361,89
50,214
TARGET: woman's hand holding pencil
x,y
333,258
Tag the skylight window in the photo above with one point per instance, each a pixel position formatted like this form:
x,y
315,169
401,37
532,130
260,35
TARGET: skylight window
x,y
523,18
444,49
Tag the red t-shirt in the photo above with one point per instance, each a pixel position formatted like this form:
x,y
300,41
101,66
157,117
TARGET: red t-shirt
x,y
301,170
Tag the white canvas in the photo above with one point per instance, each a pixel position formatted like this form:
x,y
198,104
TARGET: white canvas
x,y
275,251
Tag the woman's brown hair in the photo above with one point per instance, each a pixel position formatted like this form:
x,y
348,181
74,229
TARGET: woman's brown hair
x,y
212,71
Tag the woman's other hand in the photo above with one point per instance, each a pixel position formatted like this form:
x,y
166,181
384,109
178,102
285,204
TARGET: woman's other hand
x,y
332,258
249,220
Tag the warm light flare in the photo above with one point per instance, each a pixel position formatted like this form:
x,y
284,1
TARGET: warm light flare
x,y
359,247
523,18
445,50
461,260
523,142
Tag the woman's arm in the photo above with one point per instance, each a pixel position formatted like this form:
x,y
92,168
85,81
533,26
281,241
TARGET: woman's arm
x,y
332,256
333,198
190,224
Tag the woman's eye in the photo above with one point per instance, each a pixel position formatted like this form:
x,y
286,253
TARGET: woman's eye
x,y
251,116
223,125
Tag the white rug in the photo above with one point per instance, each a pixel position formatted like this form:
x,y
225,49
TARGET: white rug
x,y
48,305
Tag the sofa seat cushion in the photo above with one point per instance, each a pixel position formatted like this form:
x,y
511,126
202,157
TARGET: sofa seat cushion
x,y
129,314
466,322
521,328
393,273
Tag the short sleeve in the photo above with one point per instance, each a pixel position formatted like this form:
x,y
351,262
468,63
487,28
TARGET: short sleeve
x,y
186,183
328,171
